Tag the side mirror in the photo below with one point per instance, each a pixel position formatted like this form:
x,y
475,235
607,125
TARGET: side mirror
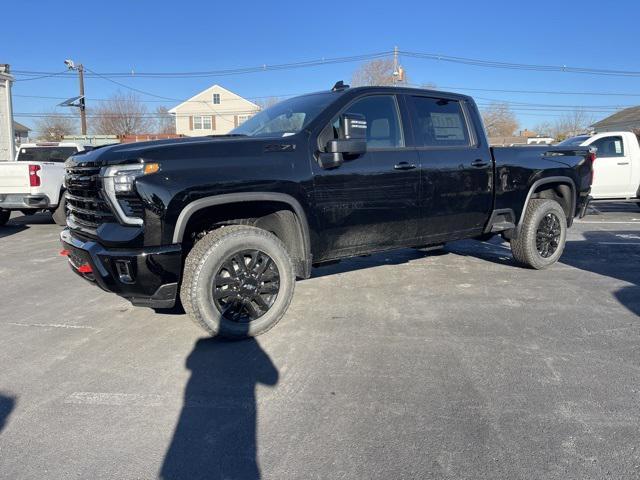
x,y
352,141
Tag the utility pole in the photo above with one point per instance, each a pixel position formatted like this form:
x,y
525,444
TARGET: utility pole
x,y
396,73
81,102
83,113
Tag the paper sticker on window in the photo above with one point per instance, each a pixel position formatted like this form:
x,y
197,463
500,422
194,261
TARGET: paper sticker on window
x,y
447,126
618,146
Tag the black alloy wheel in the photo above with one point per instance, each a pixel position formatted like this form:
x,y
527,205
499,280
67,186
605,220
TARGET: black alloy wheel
x,y
246,286
548,235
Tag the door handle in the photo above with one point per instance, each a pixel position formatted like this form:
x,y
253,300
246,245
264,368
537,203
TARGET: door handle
x,y
479,163
623,163
404,166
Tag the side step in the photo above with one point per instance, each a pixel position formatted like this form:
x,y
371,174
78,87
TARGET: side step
x,y
500,221
502,226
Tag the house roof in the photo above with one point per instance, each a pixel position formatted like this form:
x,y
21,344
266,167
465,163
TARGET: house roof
x,y
628,115
18,127
211,88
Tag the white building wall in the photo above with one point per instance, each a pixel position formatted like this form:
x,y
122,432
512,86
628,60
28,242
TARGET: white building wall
x,y
7,146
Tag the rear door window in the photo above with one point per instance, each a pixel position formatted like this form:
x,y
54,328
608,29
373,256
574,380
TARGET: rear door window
x,y
438,122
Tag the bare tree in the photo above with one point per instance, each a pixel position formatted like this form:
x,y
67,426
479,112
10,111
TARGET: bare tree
x,y
122,114
571,124
54,126
165,123
376,72
499,120
267,102
544,129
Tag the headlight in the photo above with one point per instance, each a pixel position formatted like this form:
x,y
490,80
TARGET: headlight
x,y
120,180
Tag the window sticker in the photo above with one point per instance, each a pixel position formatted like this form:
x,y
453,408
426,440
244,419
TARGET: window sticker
x,y
447,126
618,146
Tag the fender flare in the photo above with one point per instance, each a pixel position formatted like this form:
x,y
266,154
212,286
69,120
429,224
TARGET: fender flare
x,y
193,207
544,181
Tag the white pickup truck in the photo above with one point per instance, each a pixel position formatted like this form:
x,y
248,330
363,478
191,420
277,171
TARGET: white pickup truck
x,y
33,182
616,170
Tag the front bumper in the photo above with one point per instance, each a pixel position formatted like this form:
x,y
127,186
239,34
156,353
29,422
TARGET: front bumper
x,y
146,277
18,201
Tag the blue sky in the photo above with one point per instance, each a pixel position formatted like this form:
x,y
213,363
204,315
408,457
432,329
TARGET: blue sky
x,y
161,36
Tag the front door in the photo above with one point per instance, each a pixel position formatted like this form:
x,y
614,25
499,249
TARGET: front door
x,y
612,169
369,202
456,194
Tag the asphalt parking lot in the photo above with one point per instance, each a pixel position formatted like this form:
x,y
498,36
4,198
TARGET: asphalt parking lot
x,y
454,364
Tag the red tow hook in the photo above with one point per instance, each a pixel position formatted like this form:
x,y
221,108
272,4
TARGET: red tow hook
x,y
86,268
65,253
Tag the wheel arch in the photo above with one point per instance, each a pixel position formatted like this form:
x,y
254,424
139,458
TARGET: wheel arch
x,y
550,184
302,236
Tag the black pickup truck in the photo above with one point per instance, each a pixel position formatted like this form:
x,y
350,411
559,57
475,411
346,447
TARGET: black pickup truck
x,y
227,223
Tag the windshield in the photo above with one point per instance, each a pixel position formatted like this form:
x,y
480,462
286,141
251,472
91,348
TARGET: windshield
x,y
285,118
45,154
574,141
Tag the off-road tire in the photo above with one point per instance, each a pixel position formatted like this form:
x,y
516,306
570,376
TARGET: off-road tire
x,y
202,265
5,215
524,248
60,213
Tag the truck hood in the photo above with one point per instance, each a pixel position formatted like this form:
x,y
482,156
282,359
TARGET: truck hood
x,y
221,146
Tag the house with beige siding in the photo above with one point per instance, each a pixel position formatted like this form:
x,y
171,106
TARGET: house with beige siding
x,y
214,111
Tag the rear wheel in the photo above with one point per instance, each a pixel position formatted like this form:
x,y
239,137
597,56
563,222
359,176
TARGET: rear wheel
x,y
60,213
5,215
542,237
238,281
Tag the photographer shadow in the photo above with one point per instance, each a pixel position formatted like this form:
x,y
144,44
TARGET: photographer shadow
x,y
215,436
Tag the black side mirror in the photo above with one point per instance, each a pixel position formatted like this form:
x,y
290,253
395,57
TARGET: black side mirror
x,y
352,141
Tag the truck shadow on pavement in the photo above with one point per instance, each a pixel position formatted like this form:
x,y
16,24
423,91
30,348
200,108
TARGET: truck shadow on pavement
x,y
22,222
215,436
615,254
6,407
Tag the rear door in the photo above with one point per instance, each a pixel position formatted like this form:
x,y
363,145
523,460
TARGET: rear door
x,y
370,202
456,195
612,168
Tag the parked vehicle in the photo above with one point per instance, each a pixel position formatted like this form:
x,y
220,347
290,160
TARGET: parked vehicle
x,y
34,181
616,173
228,222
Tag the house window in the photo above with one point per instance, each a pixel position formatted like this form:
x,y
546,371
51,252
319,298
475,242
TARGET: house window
x,y
202,122
216,98
243,118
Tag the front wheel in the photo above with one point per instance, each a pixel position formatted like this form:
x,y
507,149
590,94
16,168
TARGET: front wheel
x,y
542,236
238,281
5,215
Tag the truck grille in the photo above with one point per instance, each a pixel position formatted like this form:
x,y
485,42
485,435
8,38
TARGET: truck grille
x,y
86,206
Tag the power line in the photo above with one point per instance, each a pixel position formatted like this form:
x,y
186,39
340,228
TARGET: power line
x,y
353,58
520,66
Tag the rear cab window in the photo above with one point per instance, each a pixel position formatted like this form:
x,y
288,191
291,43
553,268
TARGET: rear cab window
x,y
438,122
45,154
